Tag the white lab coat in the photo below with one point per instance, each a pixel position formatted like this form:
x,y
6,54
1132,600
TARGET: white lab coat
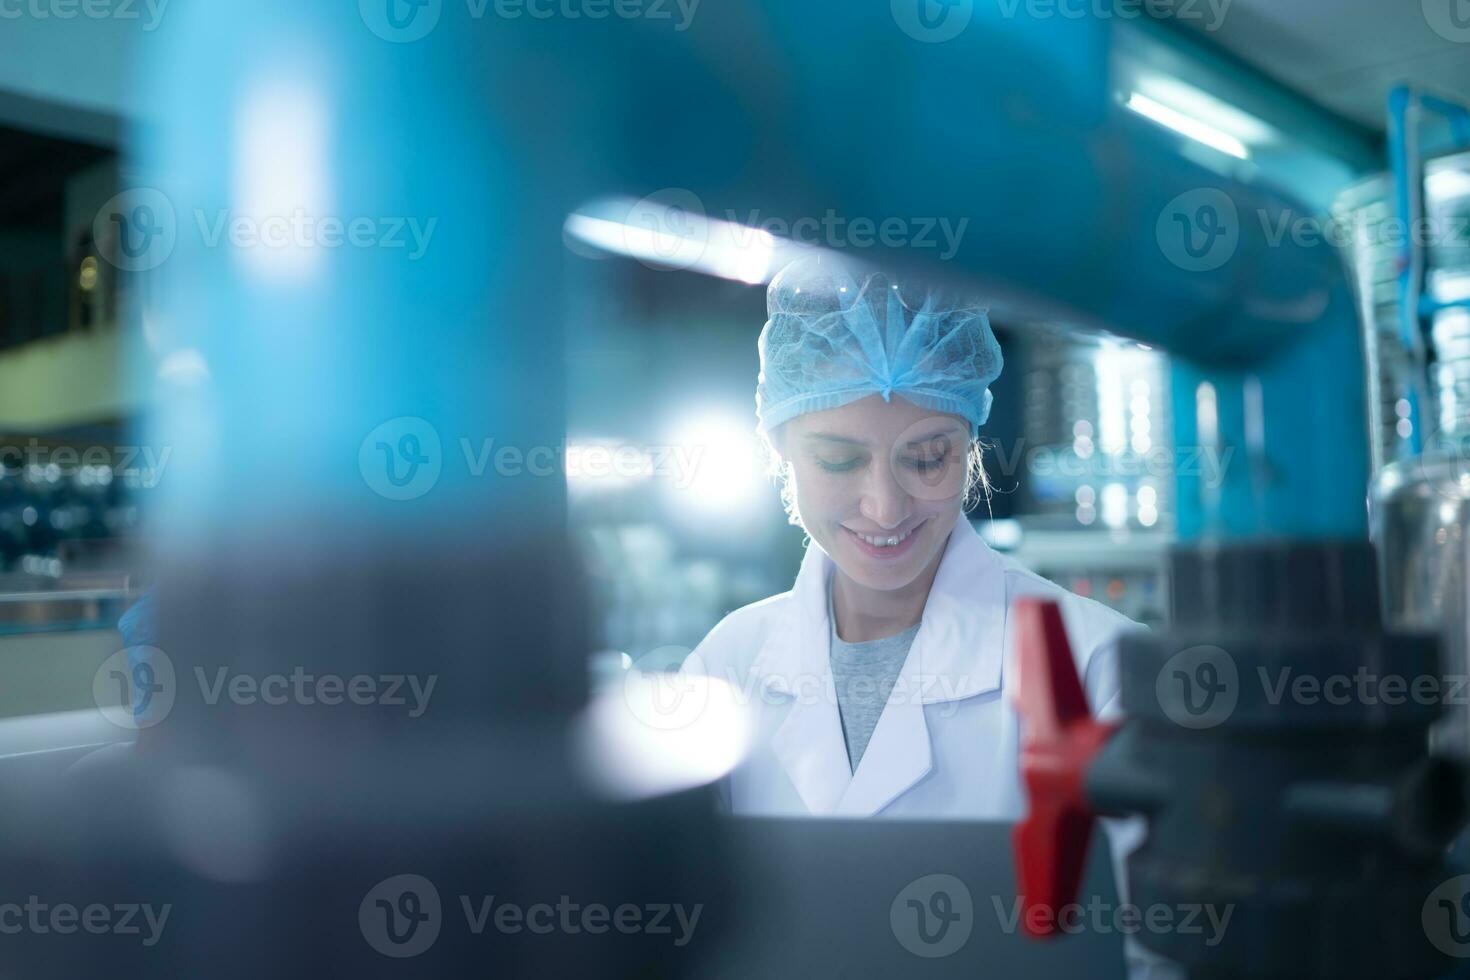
x,y
946,745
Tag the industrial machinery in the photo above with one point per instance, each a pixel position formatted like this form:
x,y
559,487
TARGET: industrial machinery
x,y
1275,738
1296,737
300,844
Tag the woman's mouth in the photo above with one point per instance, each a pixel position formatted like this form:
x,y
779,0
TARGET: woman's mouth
x,y
884,546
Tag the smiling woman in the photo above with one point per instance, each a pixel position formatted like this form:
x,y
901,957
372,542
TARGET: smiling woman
x,y
885,665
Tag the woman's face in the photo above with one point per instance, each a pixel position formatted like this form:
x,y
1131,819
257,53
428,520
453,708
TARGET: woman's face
x,y
874,472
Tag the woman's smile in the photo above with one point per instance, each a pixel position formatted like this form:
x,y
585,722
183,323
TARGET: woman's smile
x,y
885,546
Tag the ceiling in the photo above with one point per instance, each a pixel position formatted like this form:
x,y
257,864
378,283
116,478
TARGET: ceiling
x,y
1347,54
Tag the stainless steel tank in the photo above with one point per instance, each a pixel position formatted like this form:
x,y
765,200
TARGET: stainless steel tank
x,y
1419,507
1419,512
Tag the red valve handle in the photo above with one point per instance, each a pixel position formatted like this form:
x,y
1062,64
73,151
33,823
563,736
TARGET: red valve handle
x,y
1059,739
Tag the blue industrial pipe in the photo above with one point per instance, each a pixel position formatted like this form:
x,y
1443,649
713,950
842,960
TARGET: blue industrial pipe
x,y
496,127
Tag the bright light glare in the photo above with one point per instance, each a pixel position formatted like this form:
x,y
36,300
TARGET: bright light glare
x,y
184,367
1195,129
281,177
1448,182
720,248
606,465
1114,366
722,466
1199,104
662,732
1115,505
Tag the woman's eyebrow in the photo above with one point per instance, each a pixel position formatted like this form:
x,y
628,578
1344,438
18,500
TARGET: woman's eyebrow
x,y
950,430
833,437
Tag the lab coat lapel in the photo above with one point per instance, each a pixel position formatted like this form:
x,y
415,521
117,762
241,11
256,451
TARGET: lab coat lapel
x,y
957,653
898,755
794,662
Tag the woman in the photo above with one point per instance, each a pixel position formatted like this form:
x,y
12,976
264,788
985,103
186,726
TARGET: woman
x,y
881,682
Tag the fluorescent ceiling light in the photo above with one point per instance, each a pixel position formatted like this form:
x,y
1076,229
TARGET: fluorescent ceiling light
x,y
1187,125
707,245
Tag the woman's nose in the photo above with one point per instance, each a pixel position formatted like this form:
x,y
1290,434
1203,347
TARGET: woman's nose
x,y
884,501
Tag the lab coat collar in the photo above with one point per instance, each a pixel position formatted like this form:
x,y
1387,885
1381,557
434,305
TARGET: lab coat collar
x,y
957,653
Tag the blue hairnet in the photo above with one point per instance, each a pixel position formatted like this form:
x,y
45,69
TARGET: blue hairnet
x,y
831,339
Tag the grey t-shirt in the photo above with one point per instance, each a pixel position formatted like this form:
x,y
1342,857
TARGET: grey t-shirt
x,y
864,675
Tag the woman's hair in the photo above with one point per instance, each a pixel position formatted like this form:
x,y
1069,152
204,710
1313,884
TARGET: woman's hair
x,y
977,482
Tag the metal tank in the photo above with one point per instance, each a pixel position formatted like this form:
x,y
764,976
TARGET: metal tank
x,y
1419,505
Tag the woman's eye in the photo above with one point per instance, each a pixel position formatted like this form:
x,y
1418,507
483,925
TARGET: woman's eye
x,y
839,466
927,464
